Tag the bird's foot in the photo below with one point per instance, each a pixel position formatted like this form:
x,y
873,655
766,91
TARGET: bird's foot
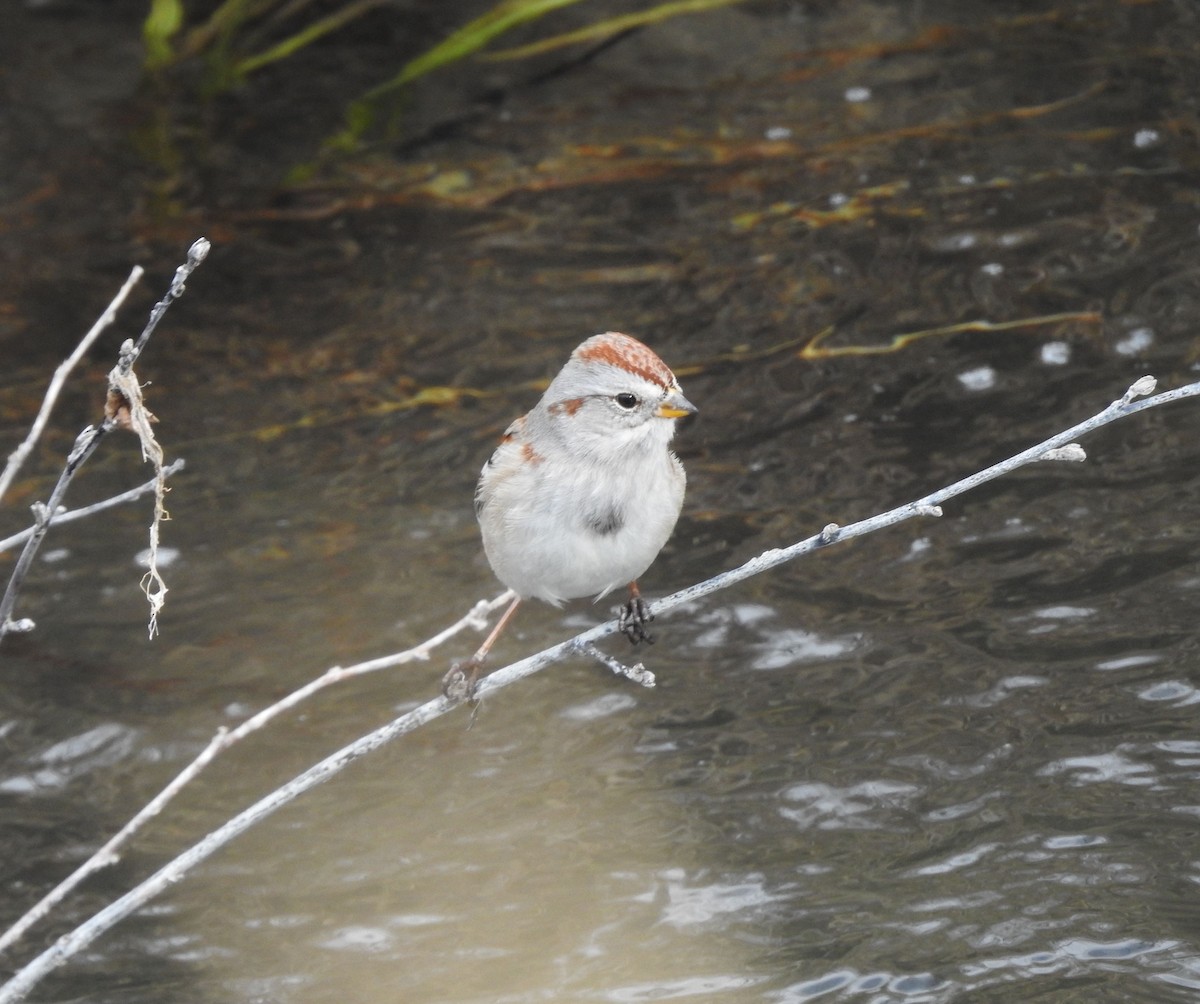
x,y
462,681
634,617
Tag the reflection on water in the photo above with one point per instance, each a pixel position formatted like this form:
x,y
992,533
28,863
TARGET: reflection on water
x,y
55,767
954,762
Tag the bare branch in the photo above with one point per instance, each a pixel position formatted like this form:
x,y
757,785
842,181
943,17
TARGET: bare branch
x,y
637,672
86,933
122,409
195,258
69,515
60,378
475,618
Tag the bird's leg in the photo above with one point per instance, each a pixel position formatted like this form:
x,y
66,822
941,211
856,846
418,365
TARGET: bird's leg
x,y
459,684
634,617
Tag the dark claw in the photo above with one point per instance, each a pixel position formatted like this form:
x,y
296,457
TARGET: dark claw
x,y
460,683
635,615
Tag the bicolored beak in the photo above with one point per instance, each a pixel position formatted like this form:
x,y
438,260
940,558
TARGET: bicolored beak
x,y
676,406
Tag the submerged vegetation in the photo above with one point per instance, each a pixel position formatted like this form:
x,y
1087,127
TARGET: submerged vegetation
x,y
241,37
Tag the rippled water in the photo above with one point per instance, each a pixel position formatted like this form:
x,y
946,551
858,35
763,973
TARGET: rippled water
x,y
955,761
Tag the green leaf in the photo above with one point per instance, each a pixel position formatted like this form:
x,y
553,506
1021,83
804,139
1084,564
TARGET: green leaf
x,y
161,24
601,30
467,40
314,31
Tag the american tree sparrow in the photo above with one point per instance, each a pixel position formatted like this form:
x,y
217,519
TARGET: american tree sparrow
x,y
582,492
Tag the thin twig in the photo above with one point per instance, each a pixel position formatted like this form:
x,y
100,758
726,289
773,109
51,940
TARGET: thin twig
x,y
69,515
637,672
60,378
78,939
475,618
120,409
195,258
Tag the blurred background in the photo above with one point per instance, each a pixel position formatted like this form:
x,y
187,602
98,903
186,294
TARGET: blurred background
x,y
883,244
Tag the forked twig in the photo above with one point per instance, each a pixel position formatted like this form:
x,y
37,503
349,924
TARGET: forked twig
x,y
70,515
82,936
109,854
17,458
123,409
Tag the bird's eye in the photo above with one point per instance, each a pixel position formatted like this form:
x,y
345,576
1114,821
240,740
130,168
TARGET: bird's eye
x,y
627,400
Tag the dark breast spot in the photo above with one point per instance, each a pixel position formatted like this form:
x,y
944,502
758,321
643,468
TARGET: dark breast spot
x,y
606,521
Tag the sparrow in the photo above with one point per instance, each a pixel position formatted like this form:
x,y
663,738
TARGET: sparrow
x,y
583,491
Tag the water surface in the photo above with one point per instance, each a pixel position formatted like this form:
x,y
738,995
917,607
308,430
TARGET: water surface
x,y
955,761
